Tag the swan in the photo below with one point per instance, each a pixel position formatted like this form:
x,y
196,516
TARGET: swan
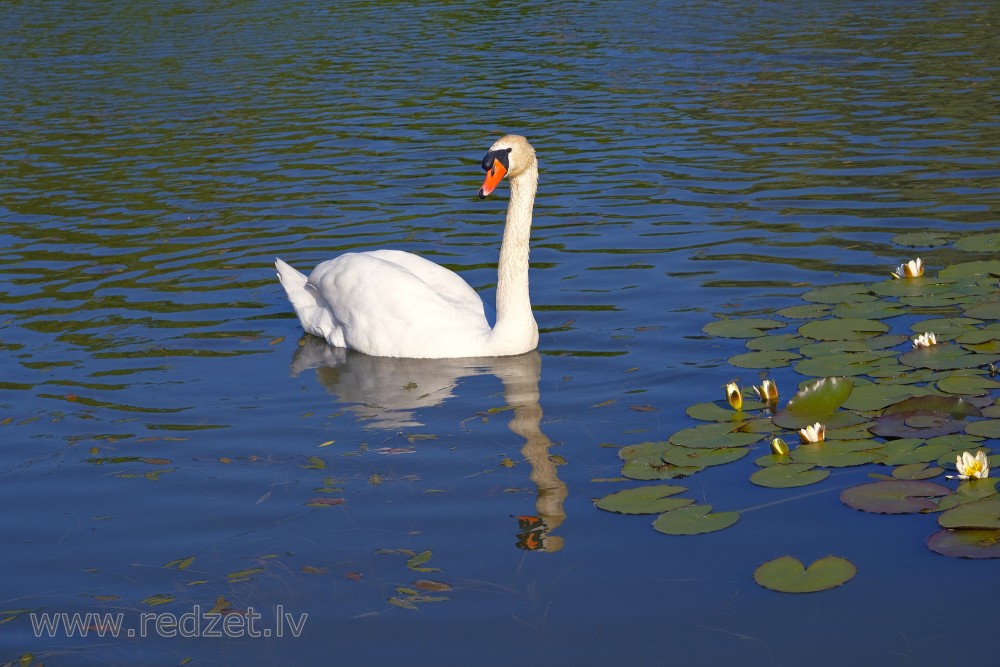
x,y
390,303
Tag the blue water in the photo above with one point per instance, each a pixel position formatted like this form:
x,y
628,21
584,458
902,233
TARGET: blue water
x,y
697,160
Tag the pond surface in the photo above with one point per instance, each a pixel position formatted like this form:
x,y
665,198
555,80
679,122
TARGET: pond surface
x,y
169,443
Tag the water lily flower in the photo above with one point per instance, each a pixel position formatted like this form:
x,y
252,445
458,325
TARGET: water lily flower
x,y
767,392
734,396
925,340
779,447
814,433
912,269
971,467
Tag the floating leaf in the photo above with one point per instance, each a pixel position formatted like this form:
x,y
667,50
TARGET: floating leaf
x,y
814,402
987,310
845,293
764,359
894,496
878,396
972,543
777,342
843,363
244,574
922,239
158,599
949,405
967,385
703,457
908,451
916,471
324,502
984,513
432,586
693,520
789,575
808,311
967,269
644,500
747,327
713,412
917,424
988,428
869,310
946,357
713,436
315,463
842,329
838,453
788,475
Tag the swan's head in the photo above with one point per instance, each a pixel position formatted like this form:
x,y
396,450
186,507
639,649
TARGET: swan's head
x,y
510,156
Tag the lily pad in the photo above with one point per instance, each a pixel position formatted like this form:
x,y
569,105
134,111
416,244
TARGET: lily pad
x,y
838,453
764,359
788,575
788,475
879,396
946,357
945,327
644,500
842,329
702,457
967,385
745,327
917,424
949,405
644,461
714,412
912,471
968,269
894,496
693,520
843,364
845,293
983,513
989,242
713,436
814,402
974,543
987,310
780,342
987,428
922,239
809,311
909,451
869,310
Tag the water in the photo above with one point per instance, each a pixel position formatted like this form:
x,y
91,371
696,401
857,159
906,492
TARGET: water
x,y
697,159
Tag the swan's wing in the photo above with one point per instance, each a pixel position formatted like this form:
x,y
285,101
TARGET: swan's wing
x,y
444,281
390,303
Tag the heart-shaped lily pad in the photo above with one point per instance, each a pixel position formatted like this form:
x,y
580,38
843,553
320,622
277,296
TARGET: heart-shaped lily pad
x,y
814,402
916,471
987,428
983,513
975,543
788,575
693,520
894,496
644,500
846,293
917,424
788,475
838,453
841,328
713,436
946,357
764,359
745,327
703,457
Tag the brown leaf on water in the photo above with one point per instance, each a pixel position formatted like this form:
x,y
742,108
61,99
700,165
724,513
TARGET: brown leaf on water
x,y
429,585
323,502
353,576
507,462
643,408
222,606
309,569
396,450
156,461
315,463
603,404
225,459
158,599
275,341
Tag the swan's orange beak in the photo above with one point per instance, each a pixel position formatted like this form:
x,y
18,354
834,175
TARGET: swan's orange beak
x,y
493,178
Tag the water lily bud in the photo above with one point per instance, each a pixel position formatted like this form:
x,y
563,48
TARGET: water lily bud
x,y
779,447
912,269
972,467
767,392
734,396
925,339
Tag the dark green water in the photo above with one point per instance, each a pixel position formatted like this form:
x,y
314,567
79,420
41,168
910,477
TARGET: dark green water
x,y
697,159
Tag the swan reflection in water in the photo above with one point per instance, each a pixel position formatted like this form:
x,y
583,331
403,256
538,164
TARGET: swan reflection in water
x,y
386,392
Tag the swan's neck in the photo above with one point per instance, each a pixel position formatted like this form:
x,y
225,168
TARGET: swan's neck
x,y
515,325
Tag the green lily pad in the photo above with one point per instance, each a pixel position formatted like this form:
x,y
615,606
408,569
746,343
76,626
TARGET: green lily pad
x,y
809,311
972,543
713,436
789,575
911,287
764,359
746,327
989,242
843,364
878,396
644,500
922,239
715,412
869,310
987,310
846,293
987,428
908,451
644,462
945,328
983,513
814,402
788,475
894,496
693,520
829,347
780,342
969,269
702,457
946,357
916,471
967,385
842,329
838,453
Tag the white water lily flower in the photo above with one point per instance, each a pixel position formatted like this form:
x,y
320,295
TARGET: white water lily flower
x,y
814,433
972,467
767,392
925,340
734,396
912,269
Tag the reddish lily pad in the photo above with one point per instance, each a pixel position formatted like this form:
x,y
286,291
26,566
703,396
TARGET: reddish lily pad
x,y
975,543
917,424
894,496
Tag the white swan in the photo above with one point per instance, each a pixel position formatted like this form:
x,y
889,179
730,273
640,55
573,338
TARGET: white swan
x,y
390,303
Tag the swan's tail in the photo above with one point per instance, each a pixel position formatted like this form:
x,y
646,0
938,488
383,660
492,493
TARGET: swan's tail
x,y
294,283
312,310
